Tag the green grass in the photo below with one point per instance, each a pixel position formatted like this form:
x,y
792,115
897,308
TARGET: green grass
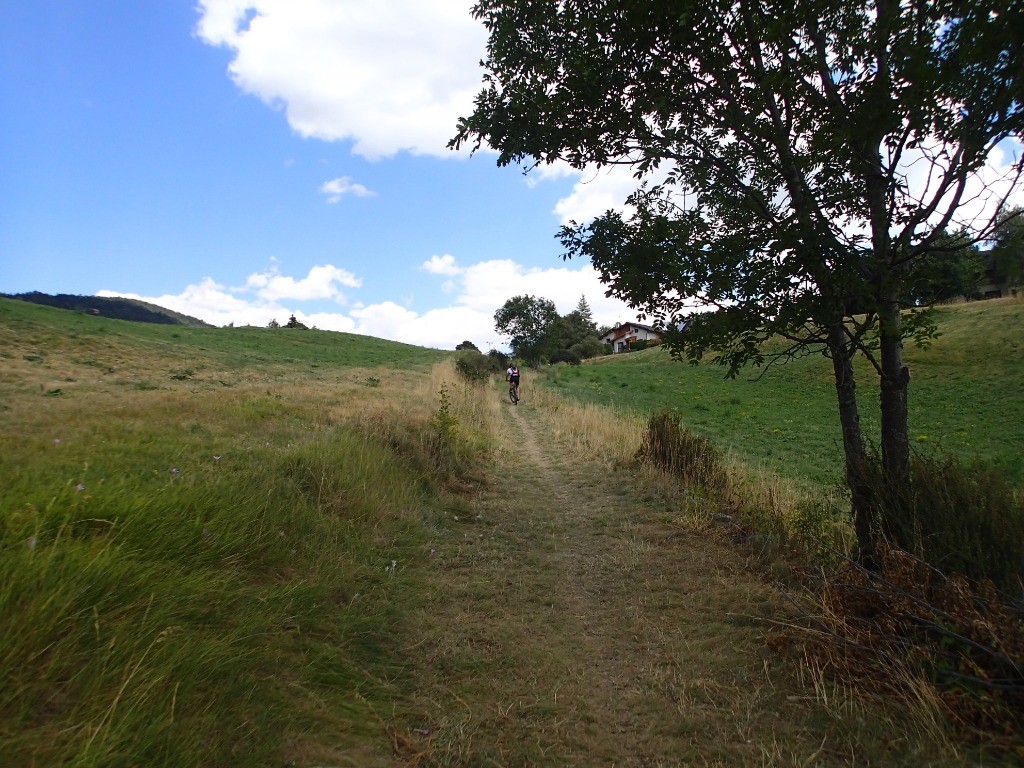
x,y
195,573
966,397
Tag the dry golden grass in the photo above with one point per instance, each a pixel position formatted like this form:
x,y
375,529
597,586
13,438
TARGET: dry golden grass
x,y
613,438
590,431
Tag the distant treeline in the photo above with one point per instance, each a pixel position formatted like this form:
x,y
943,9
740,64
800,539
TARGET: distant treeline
x,y
113,307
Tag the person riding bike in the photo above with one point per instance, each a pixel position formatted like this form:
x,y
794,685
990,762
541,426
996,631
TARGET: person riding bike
x,y
512,377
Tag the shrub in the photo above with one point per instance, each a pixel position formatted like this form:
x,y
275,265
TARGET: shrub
x,y
589,347
675,449
566,356
959,519
498,359
905,629
473,366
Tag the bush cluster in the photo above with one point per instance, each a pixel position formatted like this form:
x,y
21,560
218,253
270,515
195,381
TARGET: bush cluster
x,y
566,356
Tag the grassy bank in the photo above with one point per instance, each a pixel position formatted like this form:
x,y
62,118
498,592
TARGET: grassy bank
x,y
207,546
966,397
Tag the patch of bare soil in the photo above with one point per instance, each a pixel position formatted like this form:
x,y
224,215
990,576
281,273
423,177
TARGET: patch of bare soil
x,y
567,625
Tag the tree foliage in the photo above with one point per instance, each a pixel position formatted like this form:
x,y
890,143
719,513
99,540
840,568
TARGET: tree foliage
x,y
944,274
1005,260
525,320
802,161
538,333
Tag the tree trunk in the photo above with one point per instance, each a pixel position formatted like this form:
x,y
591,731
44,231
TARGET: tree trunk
x,y
895,377
895,381
853,442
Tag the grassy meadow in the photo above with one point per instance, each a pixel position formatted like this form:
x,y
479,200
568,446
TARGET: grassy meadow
x,y
218,545
966,397
207,535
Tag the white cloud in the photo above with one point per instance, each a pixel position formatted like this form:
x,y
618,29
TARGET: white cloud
x,y
478,291
214,304
600,190
343,185
442,328
441,265
487,285
982,192
322,282
390,75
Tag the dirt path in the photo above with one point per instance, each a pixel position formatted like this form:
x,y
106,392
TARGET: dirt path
x,y
568,626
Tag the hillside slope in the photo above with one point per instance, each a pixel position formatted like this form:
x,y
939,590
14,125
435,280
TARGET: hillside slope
x,y
46,344
195,524
113,307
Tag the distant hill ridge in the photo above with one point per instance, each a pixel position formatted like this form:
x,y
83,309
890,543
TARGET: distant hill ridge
x,y
117,308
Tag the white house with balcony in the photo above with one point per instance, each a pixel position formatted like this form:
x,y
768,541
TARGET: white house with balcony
x,y
624,334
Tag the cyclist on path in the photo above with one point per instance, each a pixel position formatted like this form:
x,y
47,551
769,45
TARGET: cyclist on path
x,y
512,377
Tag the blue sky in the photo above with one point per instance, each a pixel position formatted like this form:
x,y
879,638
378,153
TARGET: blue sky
x,y
245,160
241,160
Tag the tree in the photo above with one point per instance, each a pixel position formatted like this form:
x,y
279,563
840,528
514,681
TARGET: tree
x,y
526,321
467,345
499,360
801,160
584,313
1005,260
947,274
574,333
578,325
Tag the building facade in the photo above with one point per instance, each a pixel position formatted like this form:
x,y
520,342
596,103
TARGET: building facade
x,y
624,334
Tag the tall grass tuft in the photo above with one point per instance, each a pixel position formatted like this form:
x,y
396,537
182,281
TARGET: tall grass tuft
x,y
169,620
691,458
444,429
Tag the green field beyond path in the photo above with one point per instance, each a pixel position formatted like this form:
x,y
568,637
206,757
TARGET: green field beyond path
x,y
966,397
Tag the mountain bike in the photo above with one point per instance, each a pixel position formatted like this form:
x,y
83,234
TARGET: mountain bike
x,y
513,394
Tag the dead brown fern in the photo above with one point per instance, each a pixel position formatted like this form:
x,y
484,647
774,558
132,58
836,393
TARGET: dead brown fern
x,y
908,621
